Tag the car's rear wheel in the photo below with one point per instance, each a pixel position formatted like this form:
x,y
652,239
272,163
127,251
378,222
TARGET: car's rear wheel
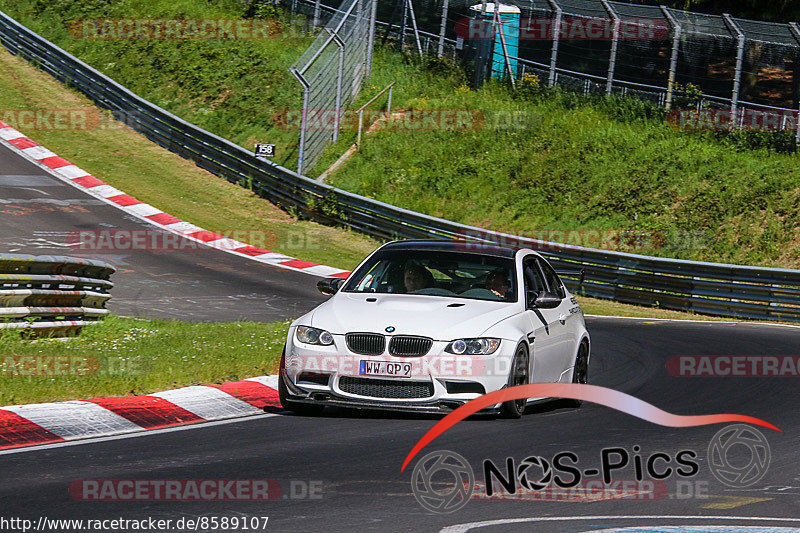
x,y
517,376
283,394
580,373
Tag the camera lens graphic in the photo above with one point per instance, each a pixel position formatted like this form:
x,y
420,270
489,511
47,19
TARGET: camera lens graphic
x,y
531,483
729,442
453,493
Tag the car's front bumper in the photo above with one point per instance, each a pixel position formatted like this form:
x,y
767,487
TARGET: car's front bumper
x,y
450,380
331,399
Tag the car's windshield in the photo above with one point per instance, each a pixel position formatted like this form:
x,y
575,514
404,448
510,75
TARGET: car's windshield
x,y
451,274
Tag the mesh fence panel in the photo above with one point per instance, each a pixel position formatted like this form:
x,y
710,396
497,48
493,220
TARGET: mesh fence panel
x,y
331,71
662,55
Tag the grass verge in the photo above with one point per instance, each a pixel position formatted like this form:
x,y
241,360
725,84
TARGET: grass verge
x,y
127,160
608,135
126,356
535,161
130,356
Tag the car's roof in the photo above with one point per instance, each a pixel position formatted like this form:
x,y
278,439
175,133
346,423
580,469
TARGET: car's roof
x,y
451,246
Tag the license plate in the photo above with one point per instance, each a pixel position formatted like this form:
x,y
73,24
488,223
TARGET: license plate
x,y
385,368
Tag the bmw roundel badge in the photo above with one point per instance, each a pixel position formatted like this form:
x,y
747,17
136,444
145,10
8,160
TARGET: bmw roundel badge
x,y
390,329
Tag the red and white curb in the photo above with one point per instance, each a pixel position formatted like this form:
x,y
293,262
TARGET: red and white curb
x,y
66,171
49,423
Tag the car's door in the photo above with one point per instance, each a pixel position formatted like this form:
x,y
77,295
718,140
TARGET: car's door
x,y
545,354
564,330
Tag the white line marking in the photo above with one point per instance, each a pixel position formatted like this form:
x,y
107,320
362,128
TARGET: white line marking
x,y
143,210
90,192
225,244
106,191
208,403
143,433
38,152
75,419
698,321
72,171
268,381
10,134
463,528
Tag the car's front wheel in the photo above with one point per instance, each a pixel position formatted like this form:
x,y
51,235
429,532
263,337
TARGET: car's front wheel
x,y
517,376
283,394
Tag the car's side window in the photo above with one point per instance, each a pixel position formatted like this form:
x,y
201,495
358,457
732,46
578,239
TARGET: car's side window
x,y
553,281
533,278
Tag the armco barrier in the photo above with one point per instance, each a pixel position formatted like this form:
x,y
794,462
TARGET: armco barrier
x,y
717,289
51,294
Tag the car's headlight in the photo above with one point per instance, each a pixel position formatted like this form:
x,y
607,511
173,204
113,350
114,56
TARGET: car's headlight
x,y
482,346
313,336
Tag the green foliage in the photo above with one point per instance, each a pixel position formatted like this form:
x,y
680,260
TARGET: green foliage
x,y
577,162
543,158
137,356
233,88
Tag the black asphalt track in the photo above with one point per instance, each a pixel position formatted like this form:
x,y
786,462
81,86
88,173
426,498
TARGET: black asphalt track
x,y
356,458
39,212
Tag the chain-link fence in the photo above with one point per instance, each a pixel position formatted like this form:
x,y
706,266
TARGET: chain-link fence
x,y
331,71
670,57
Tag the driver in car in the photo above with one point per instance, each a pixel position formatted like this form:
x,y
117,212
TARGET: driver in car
x,y
417,277
497,282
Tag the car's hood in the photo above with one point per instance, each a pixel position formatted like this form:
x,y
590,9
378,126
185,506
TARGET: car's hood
x,y
438,317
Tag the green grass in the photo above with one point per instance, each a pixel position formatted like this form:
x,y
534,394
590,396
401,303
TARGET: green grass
x,y
230,87
130,356
130,162
126,356
599,164
575,163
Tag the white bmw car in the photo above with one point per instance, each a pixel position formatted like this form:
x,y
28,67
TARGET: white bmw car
x,y
429,325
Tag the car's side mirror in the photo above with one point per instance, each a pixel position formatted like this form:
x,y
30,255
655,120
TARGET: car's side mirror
x,y
545,300
329,286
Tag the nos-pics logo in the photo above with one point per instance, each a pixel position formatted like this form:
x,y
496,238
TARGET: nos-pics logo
x,y
443,481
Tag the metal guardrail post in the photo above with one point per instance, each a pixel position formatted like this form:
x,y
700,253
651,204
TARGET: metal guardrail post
x,y
551,80
612,60
414,25
339,78
673,59
371,43
737,80
403,25
316,13
442,27
479,75
361,109
796,33
301,146
761,293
